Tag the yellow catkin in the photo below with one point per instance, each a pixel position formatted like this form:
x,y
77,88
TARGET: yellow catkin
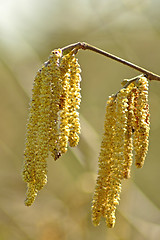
x,y
38,130
117,160
64,103
111,160
74,99
39,146
101,189
53,118
142,123
43,131
54,74
32,132
128,144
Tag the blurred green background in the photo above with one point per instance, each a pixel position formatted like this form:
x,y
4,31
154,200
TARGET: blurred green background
x,y
29,30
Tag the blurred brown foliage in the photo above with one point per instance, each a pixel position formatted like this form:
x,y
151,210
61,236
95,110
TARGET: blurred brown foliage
x,y
29,31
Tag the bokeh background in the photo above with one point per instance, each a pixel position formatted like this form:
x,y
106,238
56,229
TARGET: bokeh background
x,y
29,30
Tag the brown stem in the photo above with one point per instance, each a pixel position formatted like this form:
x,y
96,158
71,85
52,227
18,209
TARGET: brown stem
x,y
128,82
86,46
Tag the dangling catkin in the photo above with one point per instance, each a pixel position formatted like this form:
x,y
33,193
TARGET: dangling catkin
x,y
74,99
111,160
117,161
106,152
56,88
128,143
40,127
141,132
53,119
63,106
70,102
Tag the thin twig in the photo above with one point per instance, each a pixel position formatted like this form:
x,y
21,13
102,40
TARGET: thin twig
x,y
70,47
128,82
86,46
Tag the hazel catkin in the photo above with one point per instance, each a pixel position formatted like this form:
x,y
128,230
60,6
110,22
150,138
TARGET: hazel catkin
x,y
111,161
54,74
41,127
63,106
105,156
117,160
128,143
141,133
70,102
53,118
126,128
74,99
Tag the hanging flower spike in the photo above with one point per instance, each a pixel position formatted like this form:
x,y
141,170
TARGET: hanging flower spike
x,y
64,103
111,160
74,99
37,137
128,143
106,152
117,160
32,131
54,74
142,124
29,166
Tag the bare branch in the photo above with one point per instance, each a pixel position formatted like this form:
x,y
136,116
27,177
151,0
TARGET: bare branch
x,y
85,46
